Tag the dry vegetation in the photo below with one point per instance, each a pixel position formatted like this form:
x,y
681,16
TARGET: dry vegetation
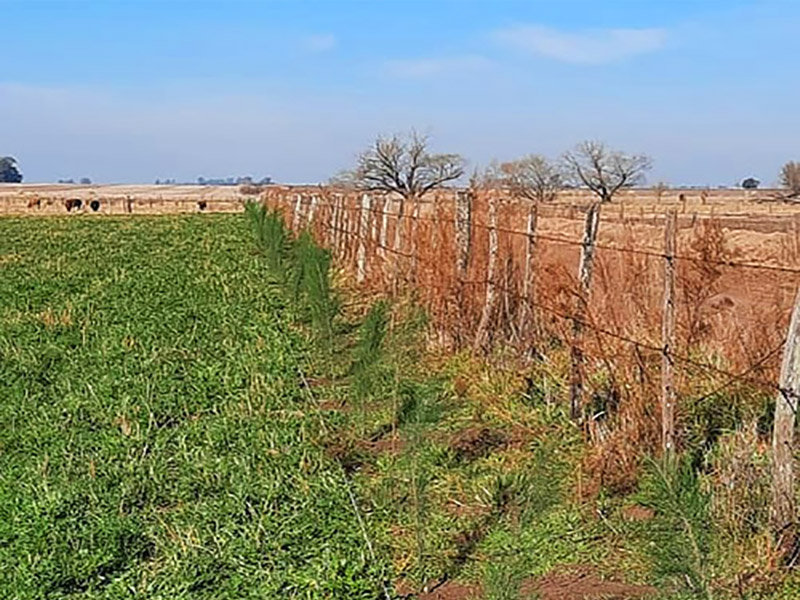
x,y
463,462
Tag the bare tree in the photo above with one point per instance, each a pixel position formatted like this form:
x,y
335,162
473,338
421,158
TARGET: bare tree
x,y
533,177
536,179
790,177
402,165
604,171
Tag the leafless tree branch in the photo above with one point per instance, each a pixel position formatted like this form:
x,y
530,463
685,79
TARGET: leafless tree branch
x,y
604,171
403,165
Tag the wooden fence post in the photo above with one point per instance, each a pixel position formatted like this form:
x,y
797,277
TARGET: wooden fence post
x,y
385,203
397,243
312,207
668,336
529,283
463,223
584,284
414,241
336,218
298,199
363,234
333,214
488,305
783,485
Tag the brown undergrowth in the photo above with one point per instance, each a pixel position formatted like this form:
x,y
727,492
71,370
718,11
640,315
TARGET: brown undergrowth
x,y
458,462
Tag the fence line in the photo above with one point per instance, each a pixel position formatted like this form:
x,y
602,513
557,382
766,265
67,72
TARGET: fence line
x,y
343,207
598,245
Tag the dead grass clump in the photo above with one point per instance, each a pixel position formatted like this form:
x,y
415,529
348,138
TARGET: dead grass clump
x,y
740,480
476,442
614,462
52,318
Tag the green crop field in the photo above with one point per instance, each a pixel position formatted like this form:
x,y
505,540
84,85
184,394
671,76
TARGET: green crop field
x,y
201,406
154,439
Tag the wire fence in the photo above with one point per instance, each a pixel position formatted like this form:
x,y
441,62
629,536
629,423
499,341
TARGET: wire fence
x,y
731,310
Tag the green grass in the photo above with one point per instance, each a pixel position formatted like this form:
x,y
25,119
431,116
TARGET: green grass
x,y
187,402
154,439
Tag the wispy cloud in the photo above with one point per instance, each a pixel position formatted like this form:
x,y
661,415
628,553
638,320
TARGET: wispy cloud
x,y
319,42
423,68
591,47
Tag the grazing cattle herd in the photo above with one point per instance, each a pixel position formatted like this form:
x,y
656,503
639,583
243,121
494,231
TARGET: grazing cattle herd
x,y
77,205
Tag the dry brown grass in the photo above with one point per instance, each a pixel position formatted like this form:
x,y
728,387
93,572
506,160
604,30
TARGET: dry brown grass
x,y
729,317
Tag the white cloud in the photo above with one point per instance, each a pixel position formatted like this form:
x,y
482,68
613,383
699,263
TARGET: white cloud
x,y
422,68
320,42
592,47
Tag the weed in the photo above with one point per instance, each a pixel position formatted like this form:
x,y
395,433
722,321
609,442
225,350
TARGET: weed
x,y
680,534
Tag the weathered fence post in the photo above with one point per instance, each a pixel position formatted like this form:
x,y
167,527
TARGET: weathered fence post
x,y
312,207
491,292
463,223
298,200
363,235
783,486
337,225
579,318
331,229
384,225
529,281
397,243
414,235
668,336
796,231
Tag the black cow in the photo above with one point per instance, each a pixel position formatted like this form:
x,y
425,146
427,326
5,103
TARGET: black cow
x,y
73,203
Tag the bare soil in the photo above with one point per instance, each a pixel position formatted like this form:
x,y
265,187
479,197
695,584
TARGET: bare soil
x,y
582,583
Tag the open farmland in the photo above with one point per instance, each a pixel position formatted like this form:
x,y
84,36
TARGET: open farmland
x,y
154,440
185,413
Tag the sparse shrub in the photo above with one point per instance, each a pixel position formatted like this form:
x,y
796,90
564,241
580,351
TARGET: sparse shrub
x,y
310,278
680,533
369,349
270,233
704,420
790,177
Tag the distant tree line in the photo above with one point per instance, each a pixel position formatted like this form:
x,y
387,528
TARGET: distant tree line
x,y
81,181
246,180
425,171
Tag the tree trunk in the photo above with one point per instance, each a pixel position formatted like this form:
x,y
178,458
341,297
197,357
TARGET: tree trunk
x,y
783,486
581,309
668,337
491,292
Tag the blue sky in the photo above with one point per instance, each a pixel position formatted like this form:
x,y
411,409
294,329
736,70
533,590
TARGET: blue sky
x,y
124,91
